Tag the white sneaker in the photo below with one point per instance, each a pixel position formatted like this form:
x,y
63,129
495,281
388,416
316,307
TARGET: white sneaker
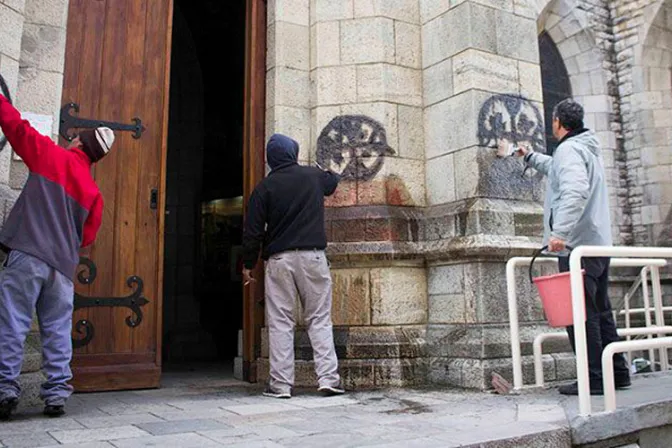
x,y
330,391
270,392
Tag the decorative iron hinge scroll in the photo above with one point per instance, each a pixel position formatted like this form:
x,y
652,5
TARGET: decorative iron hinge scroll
x,y
135,301
69,121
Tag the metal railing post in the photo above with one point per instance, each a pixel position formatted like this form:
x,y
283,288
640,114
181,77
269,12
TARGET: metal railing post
x,y
660,318
647,310
516,357
579,315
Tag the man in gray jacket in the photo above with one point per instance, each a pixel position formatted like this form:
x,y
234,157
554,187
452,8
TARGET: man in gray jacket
x,y
576,213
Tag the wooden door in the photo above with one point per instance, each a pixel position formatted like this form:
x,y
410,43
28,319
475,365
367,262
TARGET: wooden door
x,y
254,170
116,69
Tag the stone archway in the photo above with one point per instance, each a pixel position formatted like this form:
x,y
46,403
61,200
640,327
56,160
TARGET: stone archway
x,y
586,56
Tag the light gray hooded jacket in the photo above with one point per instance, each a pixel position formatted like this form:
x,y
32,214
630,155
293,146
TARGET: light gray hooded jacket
x,y
576,209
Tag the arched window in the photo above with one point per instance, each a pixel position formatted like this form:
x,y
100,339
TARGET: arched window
x,y
554,82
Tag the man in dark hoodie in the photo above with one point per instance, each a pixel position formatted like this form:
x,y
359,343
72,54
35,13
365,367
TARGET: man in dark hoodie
x,y
285,221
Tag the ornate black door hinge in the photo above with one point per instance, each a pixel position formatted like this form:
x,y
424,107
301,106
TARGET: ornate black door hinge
x,y
135,301
69,121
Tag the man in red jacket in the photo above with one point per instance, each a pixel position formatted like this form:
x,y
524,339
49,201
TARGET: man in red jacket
x,y
58,212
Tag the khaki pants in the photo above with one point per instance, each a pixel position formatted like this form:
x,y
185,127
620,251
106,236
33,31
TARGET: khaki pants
x,y
306,274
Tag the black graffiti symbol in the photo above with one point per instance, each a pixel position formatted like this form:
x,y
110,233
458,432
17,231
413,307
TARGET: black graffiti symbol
x,y
5,93
511,118
355,144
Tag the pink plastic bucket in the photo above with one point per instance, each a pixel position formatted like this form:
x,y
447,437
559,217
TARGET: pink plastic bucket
x,y
556,298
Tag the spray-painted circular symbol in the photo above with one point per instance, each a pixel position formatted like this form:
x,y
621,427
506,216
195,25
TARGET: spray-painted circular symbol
x,y
515,119
354,146
5,92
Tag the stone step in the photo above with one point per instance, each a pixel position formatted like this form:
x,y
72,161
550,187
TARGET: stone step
x,y
522,434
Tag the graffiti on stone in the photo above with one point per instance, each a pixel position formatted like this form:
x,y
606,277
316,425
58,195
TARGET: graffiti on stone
x,y
514,119
354,146
511,120
5,93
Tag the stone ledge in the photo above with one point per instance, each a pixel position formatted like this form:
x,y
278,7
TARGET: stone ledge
x,y
467,229
475,247
381,223
363,343
640,408
360,374
470,373
552,438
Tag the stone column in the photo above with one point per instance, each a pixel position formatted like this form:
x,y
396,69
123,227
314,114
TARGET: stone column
x,y
482,84
33,37
360,93
367,124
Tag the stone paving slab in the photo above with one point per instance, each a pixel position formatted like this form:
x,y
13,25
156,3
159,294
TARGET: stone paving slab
x,y
98,434
84,445
181,426
199,412
177,415
186,440
29,440
117,420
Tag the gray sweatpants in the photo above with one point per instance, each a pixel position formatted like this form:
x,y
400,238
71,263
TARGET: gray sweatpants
x,y
306,274
28,283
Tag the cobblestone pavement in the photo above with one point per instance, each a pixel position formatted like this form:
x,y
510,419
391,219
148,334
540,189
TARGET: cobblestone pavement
x,y
207,410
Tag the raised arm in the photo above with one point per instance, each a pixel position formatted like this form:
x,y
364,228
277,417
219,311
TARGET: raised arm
x,y
29,144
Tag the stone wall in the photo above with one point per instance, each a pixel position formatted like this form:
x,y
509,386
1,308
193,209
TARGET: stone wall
x,y
32,55
648,57
476,59
345,80
11,23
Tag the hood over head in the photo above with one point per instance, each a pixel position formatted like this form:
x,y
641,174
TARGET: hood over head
x,y
281,151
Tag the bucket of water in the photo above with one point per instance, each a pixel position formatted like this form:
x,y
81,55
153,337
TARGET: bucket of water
x,y
556,296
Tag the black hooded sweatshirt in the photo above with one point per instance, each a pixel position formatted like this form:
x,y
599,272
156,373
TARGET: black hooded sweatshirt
x,y
286,209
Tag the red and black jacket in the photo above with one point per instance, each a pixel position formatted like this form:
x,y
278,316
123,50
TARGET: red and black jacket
x,y
60,208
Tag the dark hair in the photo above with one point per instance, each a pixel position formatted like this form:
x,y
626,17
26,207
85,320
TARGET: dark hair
x,y
569,113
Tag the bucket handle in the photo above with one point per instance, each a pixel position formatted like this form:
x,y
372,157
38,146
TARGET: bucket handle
x,y
536,255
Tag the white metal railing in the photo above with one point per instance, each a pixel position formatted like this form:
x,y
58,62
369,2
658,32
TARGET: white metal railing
x,y
579,314
512,294
608,383
562,336
658,309
636,257
628,332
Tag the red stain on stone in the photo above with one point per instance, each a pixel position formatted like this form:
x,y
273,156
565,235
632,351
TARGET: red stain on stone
x,y
397,193
388,190
345,195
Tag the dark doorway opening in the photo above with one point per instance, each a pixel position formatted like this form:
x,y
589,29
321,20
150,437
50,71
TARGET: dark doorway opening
x,y
203,297
555,84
